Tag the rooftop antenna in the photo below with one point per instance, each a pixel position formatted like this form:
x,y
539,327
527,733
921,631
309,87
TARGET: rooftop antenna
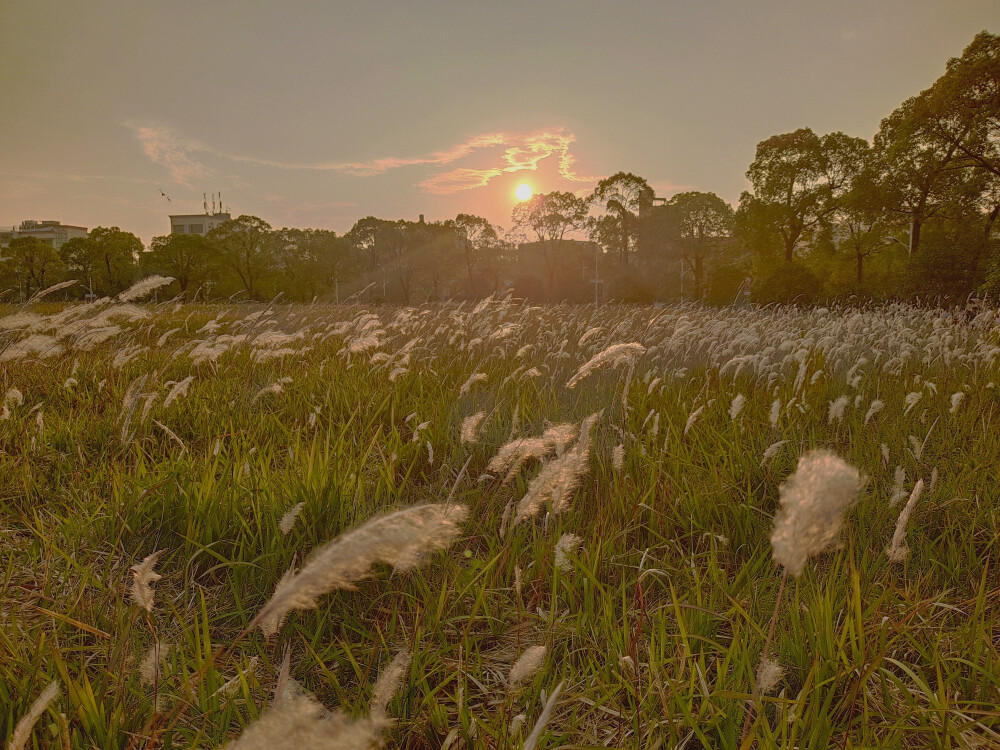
x,y
220,202
213,203
204,202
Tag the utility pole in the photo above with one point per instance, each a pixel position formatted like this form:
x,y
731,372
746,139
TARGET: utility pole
x,y
597,279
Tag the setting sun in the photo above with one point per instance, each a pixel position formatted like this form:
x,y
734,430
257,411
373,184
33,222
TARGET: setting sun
x,y
523,192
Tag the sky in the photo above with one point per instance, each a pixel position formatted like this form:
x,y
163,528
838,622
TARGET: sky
x,y
312,114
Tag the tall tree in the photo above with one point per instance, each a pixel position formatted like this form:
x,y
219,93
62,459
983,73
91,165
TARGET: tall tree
x,y
312,261
244,245
549,217
962,109
787,175
478,241
32,264
919,173
113,258
625,197
191,259
705,222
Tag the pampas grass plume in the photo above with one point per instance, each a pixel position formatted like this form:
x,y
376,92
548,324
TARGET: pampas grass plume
x,y
897,550
143,576
401,539
813,502
527,665
22,732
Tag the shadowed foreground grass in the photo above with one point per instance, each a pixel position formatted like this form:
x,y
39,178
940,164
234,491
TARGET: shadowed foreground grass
x,y
654,626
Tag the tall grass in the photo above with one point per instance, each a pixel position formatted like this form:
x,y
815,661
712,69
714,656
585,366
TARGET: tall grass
x,y
641,587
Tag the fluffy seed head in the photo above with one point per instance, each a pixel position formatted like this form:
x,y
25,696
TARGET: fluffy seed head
x,y
142,593
527,665
470,427
769,674
401,539
22,732
813,502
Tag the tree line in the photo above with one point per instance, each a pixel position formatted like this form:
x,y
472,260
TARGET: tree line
x,y
911,213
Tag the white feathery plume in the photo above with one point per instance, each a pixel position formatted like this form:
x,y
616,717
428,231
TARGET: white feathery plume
x,y
911,401
567,545
288,519
143,576
737,406
22,732
956,401
149,667
300,721
618,457
875,407
388,682
898,486
772,451
143,288
476,377
527,665
470,427
559,478
769,674
613,355
837,408
775,412
691,419
897,551
813,502
178,390
401,539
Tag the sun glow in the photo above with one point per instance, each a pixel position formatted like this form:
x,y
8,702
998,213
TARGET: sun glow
x,y
523,192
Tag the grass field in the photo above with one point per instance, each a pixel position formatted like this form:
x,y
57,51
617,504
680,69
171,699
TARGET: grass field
x,y
132,428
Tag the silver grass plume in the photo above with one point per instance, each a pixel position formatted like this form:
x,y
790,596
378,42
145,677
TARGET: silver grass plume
x,y
143,288
527,665
178,390
559,478
473,379
388,682
739,401
401,539
288,519
875,407
22,732
299,721
143,576
149,667
470,427
613,355
568,544
813,502
897,551
769,674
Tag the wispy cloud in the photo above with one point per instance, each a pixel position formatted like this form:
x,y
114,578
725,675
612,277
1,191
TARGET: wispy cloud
x,y
163,148
458,179
512,152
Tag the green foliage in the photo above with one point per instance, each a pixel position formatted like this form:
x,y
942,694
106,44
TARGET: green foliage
x,y
785,283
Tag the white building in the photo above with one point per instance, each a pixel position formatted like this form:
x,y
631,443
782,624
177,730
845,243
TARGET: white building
x,y
196,223
52,233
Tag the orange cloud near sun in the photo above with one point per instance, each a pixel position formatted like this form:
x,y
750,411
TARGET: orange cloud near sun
x,y
521,151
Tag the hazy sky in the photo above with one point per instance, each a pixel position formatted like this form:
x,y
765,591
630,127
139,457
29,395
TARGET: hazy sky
x,y
319,113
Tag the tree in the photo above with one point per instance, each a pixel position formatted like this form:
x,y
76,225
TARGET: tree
x,y
625,197
919,175
311,260
191,259
32,264
244,245
478,242
549,217
787,177
962,109
705,222
108,258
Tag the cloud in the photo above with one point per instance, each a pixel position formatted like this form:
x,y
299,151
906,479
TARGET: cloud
x,y
520,151
459,179
163,148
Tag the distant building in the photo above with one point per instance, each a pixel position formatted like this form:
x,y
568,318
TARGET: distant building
x,y
52,233
196,223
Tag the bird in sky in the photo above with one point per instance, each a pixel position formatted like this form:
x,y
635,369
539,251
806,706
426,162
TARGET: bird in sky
x,y
165,195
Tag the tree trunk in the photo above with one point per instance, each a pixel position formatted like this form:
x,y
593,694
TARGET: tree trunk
x,y
860,268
